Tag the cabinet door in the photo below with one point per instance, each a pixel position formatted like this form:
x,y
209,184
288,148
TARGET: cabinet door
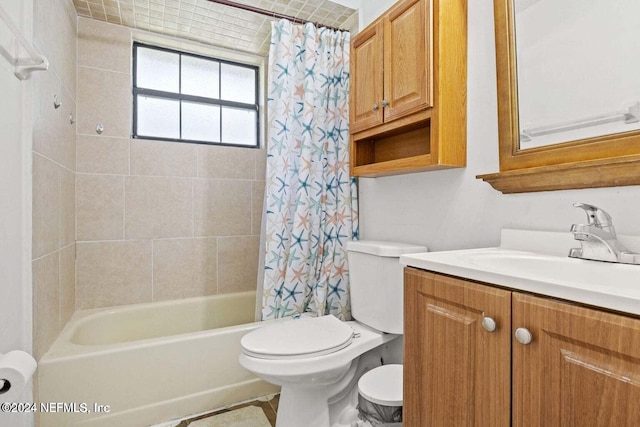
x,y
456,373
407,59
366,79
582,367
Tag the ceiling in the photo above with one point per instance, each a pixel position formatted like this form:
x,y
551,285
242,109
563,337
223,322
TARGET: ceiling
x,y
215,24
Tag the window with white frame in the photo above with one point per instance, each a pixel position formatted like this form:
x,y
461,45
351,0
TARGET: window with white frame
x,y
185,97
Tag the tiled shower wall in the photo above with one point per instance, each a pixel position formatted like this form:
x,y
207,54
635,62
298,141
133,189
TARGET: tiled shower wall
x,y
54,164
155,220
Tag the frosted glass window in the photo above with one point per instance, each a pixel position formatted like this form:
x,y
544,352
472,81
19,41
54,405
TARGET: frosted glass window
x,y
183,97
238,84
200,77
239,126
158,117
157,70
200,122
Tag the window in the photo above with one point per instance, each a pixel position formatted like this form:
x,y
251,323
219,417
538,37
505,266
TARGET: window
x,y
191,98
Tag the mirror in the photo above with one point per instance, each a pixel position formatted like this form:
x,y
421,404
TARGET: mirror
x,y
568,101
578,64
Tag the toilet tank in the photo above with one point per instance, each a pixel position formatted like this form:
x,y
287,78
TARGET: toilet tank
x,y
376,283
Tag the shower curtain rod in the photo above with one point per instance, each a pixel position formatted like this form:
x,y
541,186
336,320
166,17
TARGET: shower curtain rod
x,y
269,13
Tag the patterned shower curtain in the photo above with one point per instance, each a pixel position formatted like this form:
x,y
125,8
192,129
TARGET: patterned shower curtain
x,y
310,200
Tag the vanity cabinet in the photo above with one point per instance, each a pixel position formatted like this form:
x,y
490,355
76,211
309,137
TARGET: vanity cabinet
x,y
403,117
455,372
581,369
464,365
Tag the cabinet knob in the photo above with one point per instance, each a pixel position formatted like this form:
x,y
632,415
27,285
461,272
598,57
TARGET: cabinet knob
x,y
374,107
523,336
385,103
489,324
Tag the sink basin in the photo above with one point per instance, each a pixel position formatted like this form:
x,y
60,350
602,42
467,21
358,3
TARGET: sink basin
x,y
570,271
602,284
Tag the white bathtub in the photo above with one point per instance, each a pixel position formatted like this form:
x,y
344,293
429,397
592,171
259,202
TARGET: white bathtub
x,y
149,362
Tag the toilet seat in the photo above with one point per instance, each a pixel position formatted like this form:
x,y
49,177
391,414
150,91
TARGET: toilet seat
x,y
382,385
298,338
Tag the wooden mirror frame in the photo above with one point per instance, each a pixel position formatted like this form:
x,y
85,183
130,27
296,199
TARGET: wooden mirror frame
x,y
604,161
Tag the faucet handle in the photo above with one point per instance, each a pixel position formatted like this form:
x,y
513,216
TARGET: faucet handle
x,y
596,217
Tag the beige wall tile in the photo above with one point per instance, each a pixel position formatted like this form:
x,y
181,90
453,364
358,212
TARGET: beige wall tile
x,y
54,33
102,154
226,162
46,206
54,162
158,207
46,120
53,135
222,207
257,202
112,273
66,131
46,306
261,164
70,67
67,208
160,158
237,263
67,283
184,268
104,97
100,207
105,46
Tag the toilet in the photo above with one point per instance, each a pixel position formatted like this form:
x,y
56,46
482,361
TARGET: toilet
x,y
318,361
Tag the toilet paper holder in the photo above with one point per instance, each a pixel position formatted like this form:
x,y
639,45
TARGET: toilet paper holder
x,y
16,370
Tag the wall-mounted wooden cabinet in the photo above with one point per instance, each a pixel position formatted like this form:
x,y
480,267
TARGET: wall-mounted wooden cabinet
x,y
382,88
468,361
403,117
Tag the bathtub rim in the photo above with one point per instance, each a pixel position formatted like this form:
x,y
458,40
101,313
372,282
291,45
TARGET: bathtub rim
x,y
63,348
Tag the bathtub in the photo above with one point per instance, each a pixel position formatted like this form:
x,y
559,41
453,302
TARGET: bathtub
x,y
144,364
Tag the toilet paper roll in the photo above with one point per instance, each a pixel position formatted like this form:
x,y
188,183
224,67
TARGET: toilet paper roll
x,y
16,369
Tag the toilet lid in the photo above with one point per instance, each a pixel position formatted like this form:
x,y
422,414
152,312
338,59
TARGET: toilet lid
x,y
382,385
298,338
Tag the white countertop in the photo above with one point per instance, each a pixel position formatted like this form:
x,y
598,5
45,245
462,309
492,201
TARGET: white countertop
x,y
537,262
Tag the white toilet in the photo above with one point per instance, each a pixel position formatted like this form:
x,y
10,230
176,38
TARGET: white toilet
x,y
317,361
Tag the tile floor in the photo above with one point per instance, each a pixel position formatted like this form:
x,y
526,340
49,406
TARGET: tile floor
x,y
270,409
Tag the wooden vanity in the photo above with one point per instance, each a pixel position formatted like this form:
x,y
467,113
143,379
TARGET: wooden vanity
x,y
521,335
581,367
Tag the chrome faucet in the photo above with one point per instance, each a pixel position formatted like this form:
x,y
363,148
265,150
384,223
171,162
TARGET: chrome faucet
x,y
598,239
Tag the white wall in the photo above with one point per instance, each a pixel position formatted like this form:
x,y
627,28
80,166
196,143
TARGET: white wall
x,y
451,209
371,9
15,210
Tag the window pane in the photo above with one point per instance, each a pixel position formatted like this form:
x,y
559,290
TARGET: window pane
x,y
239,126
200,122
200,77
157,69
158,117
238,84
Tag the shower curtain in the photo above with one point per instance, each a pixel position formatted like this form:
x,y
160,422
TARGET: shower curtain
x,y
310,199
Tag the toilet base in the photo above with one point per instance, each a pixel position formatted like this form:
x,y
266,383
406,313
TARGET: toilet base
x,y
309,410
335,405
308,405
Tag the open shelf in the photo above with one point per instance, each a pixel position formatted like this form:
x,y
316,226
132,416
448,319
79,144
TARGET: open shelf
x,y
383,148
392,149
395,167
